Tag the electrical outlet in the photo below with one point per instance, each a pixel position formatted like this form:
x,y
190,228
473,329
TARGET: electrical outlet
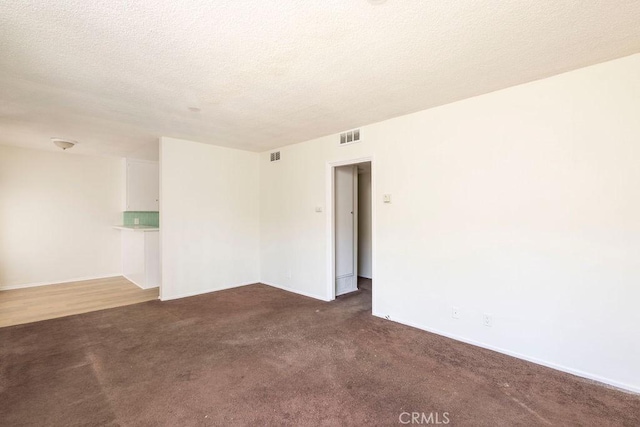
x,y
136,221
487,320
289,274
455,312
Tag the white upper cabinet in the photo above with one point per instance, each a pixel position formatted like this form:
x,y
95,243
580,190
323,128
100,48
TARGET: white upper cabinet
x,y
143,185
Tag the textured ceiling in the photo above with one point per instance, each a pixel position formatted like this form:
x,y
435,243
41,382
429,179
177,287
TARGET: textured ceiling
x,y
117,74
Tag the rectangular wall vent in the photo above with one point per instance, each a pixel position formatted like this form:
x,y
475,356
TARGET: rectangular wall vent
x,y
350,137
275,156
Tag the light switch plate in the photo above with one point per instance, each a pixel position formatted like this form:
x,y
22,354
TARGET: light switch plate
x,y
386,198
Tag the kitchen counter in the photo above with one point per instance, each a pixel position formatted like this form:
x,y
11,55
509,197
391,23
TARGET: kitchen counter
x,y
141,254
137,227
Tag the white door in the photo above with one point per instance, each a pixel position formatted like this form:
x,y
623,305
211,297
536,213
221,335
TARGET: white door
x,y
143,186
346,237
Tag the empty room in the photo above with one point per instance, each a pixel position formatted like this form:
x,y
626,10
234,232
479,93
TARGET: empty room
x,y
355,212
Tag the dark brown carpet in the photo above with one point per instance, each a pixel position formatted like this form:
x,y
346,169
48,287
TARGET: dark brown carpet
x,y
260,356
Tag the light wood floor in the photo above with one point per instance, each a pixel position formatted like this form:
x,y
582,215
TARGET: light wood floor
x,y
27,305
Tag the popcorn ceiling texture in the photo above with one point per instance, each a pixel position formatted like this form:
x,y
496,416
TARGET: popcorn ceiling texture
x,y
116,75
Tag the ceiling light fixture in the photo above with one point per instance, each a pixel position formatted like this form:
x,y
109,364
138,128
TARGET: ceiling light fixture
x,y
63,143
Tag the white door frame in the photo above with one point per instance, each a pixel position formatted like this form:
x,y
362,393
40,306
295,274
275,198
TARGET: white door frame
x,y
330,230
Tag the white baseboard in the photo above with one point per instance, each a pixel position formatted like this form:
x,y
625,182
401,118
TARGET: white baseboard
x,y
605,381
58,282
204,291
295,291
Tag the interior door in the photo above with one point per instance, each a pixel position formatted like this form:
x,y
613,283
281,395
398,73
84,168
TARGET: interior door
x,y
346,228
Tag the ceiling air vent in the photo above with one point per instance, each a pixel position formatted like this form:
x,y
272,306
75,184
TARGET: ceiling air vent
x,y
275,156
350,137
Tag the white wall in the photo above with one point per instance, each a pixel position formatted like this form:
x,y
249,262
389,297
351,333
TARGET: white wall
x,y
521,203
57,210
209,218
149,151
364,225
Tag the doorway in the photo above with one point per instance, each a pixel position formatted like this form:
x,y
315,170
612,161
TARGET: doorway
x,y
351,227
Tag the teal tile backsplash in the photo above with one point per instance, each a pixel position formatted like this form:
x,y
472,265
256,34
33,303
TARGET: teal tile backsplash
x,y
144,218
